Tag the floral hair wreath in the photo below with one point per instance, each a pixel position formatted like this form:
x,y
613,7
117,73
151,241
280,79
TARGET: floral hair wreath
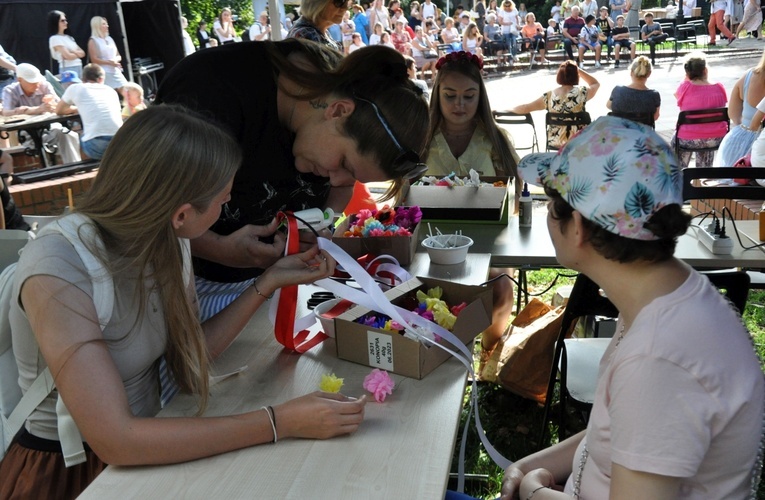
x,y
461,56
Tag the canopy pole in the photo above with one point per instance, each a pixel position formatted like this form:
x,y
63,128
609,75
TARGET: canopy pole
x,y
128,61
276,20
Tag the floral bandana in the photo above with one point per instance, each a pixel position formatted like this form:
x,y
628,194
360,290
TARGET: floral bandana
x,y
616,173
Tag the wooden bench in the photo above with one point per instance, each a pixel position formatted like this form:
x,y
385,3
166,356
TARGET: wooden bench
x,y
42,174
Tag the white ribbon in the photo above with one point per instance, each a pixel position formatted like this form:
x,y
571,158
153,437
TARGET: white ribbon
x,y
373,298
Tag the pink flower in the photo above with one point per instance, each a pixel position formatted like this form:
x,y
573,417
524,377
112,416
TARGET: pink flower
x,y
379,383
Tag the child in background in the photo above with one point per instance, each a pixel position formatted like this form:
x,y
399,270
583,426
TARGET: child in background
x,y
133,100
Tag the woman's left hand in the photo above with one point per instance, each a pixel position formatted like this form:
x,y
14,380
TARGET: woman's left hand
x,y
305,267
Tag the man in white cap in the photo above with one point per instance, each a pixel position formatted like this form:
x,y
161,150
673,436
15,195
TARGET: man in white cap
x,y
98,106
32,95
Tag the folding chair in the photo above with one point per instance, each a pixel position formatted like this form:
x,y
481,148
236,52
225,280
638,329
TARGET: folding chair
x,y
699,116
55,83
509,118
700,29
585,300
576,361
572,121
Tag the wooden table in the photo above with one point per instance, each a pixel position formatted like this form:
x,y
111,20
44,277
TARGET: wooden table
x,y
402,451
513,246
35,126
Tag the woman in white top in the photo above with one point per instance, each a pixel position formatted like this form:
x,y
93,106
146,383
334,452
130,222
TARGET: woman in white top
x,y
374,38
472,40
508,20
380,15
63,48
103,51
224,27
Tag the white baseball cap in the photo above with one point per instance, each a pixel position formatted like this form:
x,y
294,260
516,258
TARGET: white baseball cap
x,y
29,73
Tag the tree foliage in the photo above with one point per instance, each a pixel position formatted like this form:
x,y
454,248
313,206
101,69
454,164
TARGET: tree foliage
x,y
209,10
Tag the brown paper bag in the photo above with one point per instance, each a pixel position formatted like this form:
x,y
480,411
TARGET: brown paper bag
x,y
522,360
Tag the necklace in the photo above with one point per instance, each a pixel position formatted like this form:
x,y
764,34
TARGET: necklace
x,y
585,451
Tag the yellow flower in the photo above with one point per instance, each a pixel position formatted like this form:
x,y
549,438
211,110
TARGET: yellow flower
x,y
330,383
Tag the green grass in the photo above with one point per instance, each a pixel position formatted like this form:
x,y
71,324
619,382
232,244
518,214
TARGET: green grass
x,y
512,423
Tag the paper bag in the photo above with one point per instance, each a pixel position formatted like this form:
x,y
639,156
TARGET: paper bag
x,y
522,360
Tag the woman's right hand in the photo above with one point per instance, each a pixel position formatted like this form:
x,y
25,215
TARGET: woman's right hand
x,y
319,415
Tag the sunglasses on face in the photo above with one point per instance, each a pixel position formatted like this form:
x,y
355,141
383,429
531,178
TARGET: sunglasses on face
x,y
407,162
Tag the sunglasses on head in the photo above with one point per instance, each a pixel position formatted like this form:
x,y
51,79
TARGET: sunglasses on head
x,y
407,162
340,3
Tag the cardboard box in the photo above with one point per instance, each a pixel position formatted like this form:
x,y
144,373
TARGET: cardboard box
x,y
486,203
395,353
400,247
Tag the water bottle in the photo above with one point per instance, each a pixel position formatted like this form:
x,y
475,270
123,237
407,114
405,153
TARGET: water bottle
x,y
524,211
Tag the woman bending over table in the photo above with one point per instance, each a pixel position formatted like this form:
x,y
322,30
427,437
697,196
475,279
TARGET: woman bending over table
x,y
310,122
678,409
463,136
164,179
696,92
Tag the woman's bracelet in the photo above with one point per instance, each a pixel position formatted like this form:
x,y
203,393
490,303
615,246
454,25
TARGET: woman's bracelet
x,y
255,286
272,418
532,493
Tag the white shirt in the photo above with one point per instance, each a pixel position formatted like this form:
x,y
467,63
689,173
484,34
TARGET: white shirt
x,y
511,17
258,29
688,6
188,45
68,43
428,10
98,106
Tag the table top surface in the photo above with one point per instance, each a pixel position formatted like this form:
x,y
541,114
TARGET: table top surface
x,y
402,450
510,245
19,122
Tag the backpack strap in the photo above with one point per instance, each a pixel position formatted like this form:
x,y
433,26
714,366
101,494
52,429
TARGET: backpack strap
x,y
82,234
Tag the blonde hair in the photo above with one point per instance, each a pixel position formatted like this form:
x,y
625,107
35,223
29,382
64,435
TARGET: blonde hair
x,y
312,9
130,86
760,65
95,26
159,160
641,67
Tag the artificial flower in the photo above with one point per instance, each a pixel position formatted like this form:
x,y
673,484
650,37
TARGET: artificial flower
x,y
385,215
456,310
379,383
330,383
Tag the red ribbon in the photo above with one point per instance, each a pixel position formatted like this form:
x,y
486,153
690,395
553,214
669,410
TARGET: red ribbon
x,y
284,327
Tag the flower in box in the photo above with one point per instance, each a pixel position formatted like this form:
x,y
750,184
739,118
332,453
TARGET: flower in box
x,y
387,221
428,305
